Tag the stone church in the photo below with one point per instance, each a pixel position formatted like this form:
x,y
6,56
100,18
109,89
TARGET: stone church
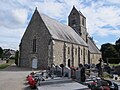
x,y
47,42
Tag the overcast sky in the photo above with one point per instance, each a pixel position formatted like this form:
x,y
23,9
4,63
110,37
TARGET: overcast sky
x,y
103,18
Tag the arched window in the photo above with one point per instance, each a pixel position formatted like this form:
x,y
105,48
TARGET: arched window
x,y
83,22
75,51
68,50
81,51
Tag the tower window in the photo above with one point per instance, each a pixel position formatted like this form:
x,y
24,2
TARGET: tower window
x,y
81,51
86,52
73,13
83,22
73,22
68,50
34,45
76,51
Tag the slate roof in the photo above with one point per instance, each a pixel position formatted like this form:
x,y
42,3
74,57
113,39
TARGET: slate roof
x,y
62,32
92,47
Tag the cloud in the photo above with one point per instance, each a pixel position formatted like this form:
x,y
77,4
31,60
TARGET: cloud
x,y
107,32
57,9
19,16
12,15
99,16
113,1
10,38
46,7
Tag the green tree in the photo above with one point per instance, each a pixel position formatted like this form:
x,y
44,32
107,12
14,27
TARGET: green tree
x,y
1,52
117,42
117,46
108,51
16,57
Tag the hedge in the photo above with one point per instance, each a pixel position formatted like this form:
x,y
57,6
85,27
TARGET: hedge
x,y
114,60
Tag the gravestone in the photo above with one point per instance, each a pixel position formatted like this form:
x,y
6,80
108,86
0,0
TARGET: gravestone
x,y
58,71
78,75
53,69
117,69
83,77
67,72
115,77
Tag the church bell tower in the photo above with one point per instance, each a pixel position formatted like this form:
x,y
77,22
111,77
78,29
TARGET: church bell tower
x,y
77,21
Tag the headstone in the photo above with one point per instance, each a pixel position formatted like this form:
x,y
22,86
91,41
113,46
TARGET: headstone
x,y
58,71
83,77
52,69
67,72
115,77
58,68
78,75
73,73
117,69
45,74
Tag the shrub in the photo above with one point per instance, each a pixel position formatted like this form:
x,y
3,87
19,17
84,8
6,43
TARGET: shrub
x,y
114,60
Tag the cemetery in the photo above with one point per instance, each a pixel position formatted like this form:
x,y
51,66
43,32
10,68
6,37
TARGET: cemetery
x,y
64,78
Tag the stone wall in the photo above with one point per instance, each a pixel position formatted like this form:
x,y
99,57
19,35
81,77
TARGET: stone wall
x,y
94,58
58,52
35,30
63,52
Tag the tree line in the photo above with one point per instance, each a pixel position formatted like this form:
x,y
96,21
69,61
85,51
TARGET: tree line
x,y
5,55
1,52
111,52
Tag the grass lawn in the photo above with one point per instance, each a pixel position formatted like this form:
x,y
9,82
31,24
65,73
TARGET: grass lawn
x,y
114,64
2,66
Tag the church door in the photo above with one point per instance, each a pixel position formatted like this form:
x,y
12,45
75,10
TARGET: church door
x,y
34,63
68,62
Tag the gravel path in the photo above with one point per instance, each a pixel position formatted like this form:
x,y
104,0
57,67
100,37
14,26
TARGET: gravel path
x,y
13,78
